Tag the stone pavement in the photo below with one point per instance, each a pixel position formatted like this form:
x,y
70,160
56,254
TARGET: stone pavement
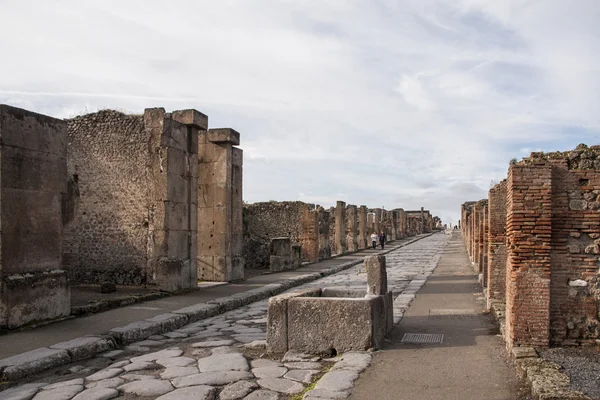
x,y
470,362
224,355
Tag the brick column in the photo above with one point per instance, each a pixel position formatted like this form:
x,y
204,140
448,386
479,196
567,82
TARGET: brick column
x,y
476,236
496,277
529,229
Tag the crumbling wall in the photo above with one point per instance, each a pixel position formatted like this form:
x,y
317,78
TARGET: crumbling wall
x,y
351,228
497,250
325,243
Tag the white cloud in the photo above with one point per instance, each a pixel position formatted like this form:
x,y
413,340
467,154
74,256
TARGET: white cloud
x,y
403,103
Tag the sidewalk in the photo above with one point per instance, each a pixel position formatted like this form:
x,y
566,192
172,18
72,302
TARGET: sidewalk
x,y
468,364
216,299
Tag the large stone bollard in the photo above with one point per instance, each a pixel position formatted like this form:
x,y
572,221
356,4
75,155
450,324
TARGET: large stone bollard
x,y
376,275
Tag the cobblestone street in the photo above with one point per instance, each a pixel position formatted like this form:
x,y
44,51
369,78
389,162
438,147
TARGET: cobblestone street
x,y
224,356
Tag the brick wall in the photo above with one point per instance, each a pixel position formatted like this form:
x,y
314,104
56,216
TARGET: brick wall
x,y
496,277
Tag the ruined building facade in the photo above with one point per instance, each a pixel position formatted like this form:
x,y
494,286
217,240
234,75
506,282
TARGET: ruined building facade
x,y
536,244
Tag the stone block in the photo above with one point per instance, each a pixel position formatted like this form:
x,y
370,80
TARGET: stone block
x,y
224,135
376,275
280,246
178,243
177,137
136,331
296,255
170,321
173,275
343,292
198,311
32,362
84,347
279,263
34,297
191,117
31,170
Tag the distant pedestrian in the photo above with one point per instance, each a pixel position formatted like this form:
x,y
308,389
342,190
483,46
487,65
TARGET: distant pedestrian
x,y
382,239
374,240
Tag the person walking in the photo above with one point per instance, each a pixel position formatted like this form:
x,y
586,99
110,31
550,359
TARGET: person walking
x,y
382,239
374,240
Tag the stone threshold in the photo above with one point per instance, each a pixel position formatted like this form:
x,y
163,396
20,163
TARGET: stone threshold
x,y
32,362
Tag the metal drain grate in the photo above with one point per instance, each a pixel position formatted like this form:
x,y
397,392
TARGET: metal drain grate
x,y
427,338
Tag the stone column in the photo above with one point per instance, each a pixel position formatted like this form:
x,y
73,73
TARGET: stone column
x,y
323,225
496,278
340,227
33,187
363,231
351,229
377,221
220,206
309,238
394,234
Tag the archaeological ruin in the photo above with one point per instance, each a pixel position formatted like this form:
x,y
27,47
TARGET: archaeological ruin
x,y
535,242
150,200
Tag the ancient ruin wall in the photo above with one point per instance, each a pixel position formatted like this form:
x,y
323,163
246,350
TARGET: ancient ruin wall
x,y
497,251
351,228
108,155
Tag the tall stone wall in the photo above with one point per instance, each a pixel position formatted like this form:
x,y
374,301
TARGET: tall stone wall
x,y
340,228
497,250
363,229
34,207
351,226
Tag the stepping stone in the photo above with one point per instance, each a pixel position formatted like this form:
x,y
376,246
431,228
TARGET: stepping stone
x,y
212,378
303,365
337,381
302,375
157,355
139,366
223,362
262,395
281,385
178,372
320,394
265,362
23,392
357,362
104,374
190,393
214,343
147,388
237,390
223,350
106,383
97,394
78,381
60,393
176,362
137,377
269,372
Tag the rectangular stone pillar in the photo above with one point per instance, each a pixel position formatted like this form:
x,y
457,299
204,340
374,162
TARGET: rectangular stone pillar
x,y
394,234
496,277
363,231
220,206
309,239
476,236
483,269
377,221
340,227
529,231
323,218
33,188
351,229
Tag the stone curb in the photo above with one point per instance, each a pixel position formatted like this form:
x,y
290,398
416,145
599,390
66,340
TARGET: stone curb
x,y
109,304
35,361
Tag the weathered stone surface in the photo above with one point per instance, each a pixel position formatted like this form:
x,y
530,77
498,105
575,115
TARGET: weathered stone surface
x,y
356,362
78,381
337,381
264,362
303,365
294,356
269,372
139,366
223,350
281,385
23,392
84,347
302,375
59,393
212,378
162,354
214,343
237,390
320,394
104,374
176,361
262,395
257,344
150,387
376,275
135,331
32,362
198,311
97,394
200,392
136,377
223,362
106,383
177,372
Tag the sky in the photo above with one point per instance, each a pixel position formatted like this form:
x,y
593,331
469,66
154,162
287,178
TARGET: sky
x,y
386,103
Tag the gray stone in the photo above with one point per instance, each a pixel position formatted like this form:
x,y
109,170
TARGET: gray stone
x,y
223,350
257,344
337,381
303,365
32,362
84,347
357,362
137,377
212,378
147,388
214,343
176,335
112,354
23,392
104,374
169,321
60,393
294,356
119,364
262,395
319,394
139,366
147,343
135,331
198,311
302,375
178,372
269,372
78,381
281,385
249,338
97,394
376,275
191,393
157,337
106,383
237,390
264,362
157,355
176,361
223,362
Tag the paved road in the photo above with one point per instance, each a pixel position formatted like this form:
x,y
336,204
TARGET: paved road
x,y
225,354
469,364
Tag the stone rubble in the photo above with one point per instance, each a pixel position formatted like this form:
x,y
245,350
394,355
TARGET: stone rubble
x,y
208,359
